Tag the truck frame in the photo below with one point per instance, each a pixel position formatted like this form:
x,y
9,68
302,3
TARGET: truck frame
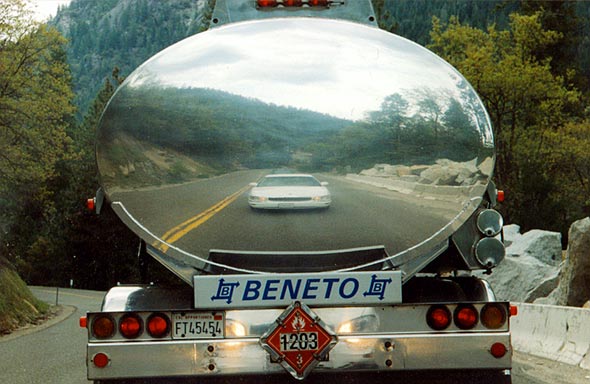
x,y
379,285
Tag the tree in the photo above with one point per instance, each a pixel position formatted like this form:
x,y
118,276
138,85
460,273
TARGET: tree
x,y
35,113
525,100
560,16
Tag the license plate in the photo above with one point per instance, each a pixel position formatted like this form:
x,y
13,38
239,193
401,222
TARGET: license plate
x,y
198,325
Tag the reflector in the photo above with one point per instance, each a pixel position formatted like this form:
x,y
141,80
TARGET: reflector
x,y
91,204
100,360
498,350
292,3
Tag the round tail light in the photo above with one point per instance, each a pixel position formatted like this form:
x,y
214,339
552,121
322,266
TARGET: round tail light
x,y
130,326
493,316
100,360
438,317
466,316
103,327
158,325
498,350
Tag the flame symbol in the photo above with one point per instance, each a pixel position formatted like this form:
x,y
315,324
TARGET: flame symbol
x,y
298,323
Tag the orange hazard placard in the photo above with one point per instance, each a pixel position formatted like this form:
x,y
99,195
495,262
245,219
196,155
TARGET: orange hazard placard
x,y
299,341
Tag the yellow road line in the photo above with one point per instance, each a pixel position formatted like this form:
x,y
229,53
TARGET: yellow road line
x,y
182,229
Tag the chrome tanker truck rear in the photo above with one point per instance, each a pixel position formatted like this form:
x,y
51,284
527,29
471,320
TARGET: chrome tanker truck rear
x,y
322,187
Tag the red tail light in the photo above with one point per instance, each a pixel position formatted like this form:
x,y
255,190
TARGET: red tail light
x,y
318,3
493,316
466,316
438,317
130,326
101,360
103,327
498,350
158,325
267,3
91,204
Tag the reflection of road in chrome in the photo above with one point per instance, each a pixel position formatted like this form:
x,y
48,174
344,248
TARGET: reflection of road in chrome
x,y
214,214
180,230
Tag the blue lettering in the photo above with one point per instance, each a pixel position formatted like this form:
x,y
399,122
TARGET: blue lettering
x,y
252,290
310,288
355,288
293,290
268,288
330,283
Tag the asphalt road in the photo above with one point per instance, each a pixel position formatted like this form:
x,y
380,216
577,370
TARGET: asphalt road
x,y
214,214
55,352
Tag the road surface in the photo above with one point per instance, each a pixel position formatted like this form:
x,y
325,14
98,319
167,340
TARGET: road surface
x,y
56,353
214,214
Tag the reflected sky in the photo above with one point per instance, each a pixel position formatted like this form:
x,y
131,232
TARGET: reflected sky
x,y
307,67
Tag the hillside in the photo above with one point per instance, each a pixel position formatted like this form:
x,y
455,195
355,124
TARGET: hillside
x,y
18,306
121,33
124,33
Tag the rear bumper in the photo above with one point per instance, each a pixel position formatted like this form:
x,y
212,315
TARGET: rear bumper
x,y
382,352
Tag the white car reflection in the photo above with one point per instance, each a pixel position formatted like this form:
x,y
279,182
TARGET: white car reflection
x,y
289,191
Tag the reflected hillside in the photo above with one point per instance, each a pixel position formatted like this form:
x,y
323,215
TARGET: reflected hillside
x,y
200,133
155,136
415,128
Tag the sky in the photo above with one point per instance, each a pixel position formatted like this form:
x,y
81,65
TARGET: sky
x,y
46,8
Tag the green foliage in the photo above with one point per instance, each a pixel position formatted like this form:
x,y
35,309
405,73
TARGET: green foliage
x,y
97,251
104,34
35,115
527,104
412,18
47,165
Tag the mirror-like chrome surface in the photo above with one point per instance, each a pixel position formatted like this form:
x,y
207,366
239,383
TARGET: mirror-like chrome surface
x,y
398,137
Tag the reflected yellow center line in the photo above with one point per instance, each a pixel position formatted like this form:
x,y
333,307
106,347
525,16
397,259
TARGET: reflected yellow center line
x,y
182,229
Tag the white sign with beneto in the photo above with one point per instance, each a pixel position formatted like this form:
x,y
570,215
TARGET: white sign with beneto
x,y
315,289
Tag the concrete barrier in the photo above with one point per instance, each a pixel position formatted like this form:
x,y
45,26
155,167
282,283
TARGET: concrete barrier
x,y
427,191
557,333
